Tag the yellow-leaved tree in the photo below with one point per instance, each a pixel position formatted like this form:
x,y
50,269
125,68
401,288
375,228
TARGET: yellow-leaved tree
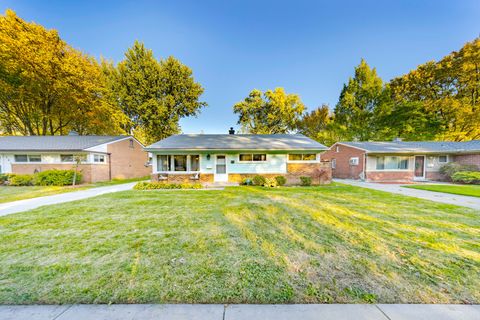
x,y
49,88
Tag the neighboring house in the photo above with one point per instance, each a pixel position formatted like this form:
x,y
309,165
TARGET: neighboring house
x,y
230,157
399,160
102,157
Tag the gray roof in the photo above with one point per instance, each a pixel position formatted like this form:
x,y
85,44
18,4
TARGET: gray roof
x,y
53,143
417,146
266,142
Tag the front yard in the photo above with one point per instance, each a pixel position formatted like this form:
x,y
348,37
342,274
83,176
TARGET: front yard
x,y
9,194
464,190
242,245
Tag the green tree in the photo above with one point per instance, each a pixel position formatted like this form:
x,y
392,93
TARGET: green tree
x,y
319,125
270,112
153,94
46,86
361,99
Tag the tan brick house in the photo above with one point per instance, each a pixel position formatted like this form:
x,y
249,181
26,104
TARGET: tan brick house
x,y
101,157
401,161
229,158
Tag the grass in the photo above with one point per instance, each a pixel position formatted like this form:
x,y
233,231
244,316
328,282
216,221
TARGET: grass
x,y
8,194
327,244
464,190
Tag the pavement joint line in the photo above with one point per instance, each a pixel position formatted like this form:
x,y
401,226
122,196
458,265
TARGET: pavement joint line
x,y
383,312
61,313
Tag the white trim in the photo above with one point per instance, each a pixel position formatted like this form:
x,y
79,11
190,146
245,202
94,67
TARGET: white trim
x,y
347,145
172,163
220,177
252,161
91,149
317,158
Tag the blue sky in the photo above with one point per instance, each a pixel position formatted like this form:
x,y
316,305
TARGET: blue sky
x,y
307,47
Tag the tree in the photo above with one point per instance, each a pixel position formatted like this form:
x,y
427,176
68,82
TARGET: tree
x,y
319,125
270,112
360,100
446,96
46,86
153,94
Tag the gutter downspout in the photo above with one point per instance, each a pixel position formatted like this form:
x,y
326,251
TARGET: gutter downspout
x,y
365,166
109,166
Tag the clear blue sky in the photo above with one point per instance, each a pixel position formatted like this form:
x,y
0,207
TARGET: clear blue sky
x,y
233,46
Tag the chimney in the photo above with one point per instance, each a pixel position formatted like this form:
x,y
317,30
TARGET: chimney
x,y
231,131
397,139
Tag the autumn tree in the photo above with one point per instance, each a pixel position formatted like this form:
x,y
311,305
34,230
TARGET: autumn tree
x,y
361,99
442,96
319,125
153,94
273,111
47,87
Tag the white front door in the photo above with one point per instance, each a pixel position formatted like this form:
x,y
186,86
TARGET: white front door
x,y
221,174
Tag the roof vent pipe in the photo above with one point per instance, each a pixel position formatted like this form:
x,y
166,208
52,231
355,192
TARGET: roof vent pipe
x,y
231,131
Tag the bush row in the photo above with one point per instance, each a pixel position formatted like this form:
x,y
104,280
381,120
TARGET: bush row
x,y
273,182
45,178
161,185
469,177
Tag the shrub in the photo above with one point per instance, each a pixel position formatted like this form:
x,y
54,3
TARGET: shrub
x,y
305,181
20,179
161,185
270,183
451,168
259,180
470,177
3,178
246,182
56,178
281,180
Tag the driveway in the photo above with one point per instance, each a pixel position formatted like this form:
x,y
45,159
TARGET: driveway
x,y
465,201
243,312
29,204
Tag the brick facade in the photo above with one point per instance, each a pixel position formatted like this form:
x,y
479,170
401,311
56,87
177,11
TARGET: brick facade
x,y
343,169
90,172
389,176
469,159
183,178
128,159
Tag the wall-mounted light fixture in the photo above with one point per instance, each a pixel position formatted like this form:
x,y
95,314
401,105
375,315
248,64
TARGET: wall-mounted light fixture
x,y
208,157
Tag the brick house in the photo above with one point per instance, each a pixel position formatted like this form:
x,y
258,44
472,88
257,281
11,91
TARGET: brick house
x,y
229,158
101,158
401,161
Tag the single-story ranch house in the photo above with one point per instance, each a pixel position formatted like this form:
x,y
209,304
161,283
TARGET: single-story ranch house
x,y
399,160
102,157
210,158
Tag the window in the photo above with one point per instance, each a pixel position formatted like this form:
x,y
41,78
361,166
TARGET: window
x,y
302,157
100,158
66,157
337,149
73,158
392,163
195,162
21,158
334,163
28,158
163,163
442,159
180,163
256,157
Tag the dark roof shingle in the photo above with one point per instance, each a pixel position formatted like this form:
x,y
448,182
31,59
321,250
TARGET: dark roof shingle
x,y
417,146
237,142
53,143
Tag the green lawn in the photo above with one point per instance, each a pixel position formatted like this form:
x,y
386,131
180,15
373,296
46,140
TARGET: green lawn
x,y
8,194
464,190
242,245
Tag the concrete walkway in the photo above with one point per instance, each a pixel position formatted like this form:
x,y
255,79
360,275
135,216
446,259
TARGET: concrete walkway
x,y
465,201
242,312
29,204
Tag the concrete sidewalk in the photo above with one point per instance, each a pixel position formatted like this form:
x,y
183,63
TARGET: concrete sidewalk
x,y
29,204
242,312
464,201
